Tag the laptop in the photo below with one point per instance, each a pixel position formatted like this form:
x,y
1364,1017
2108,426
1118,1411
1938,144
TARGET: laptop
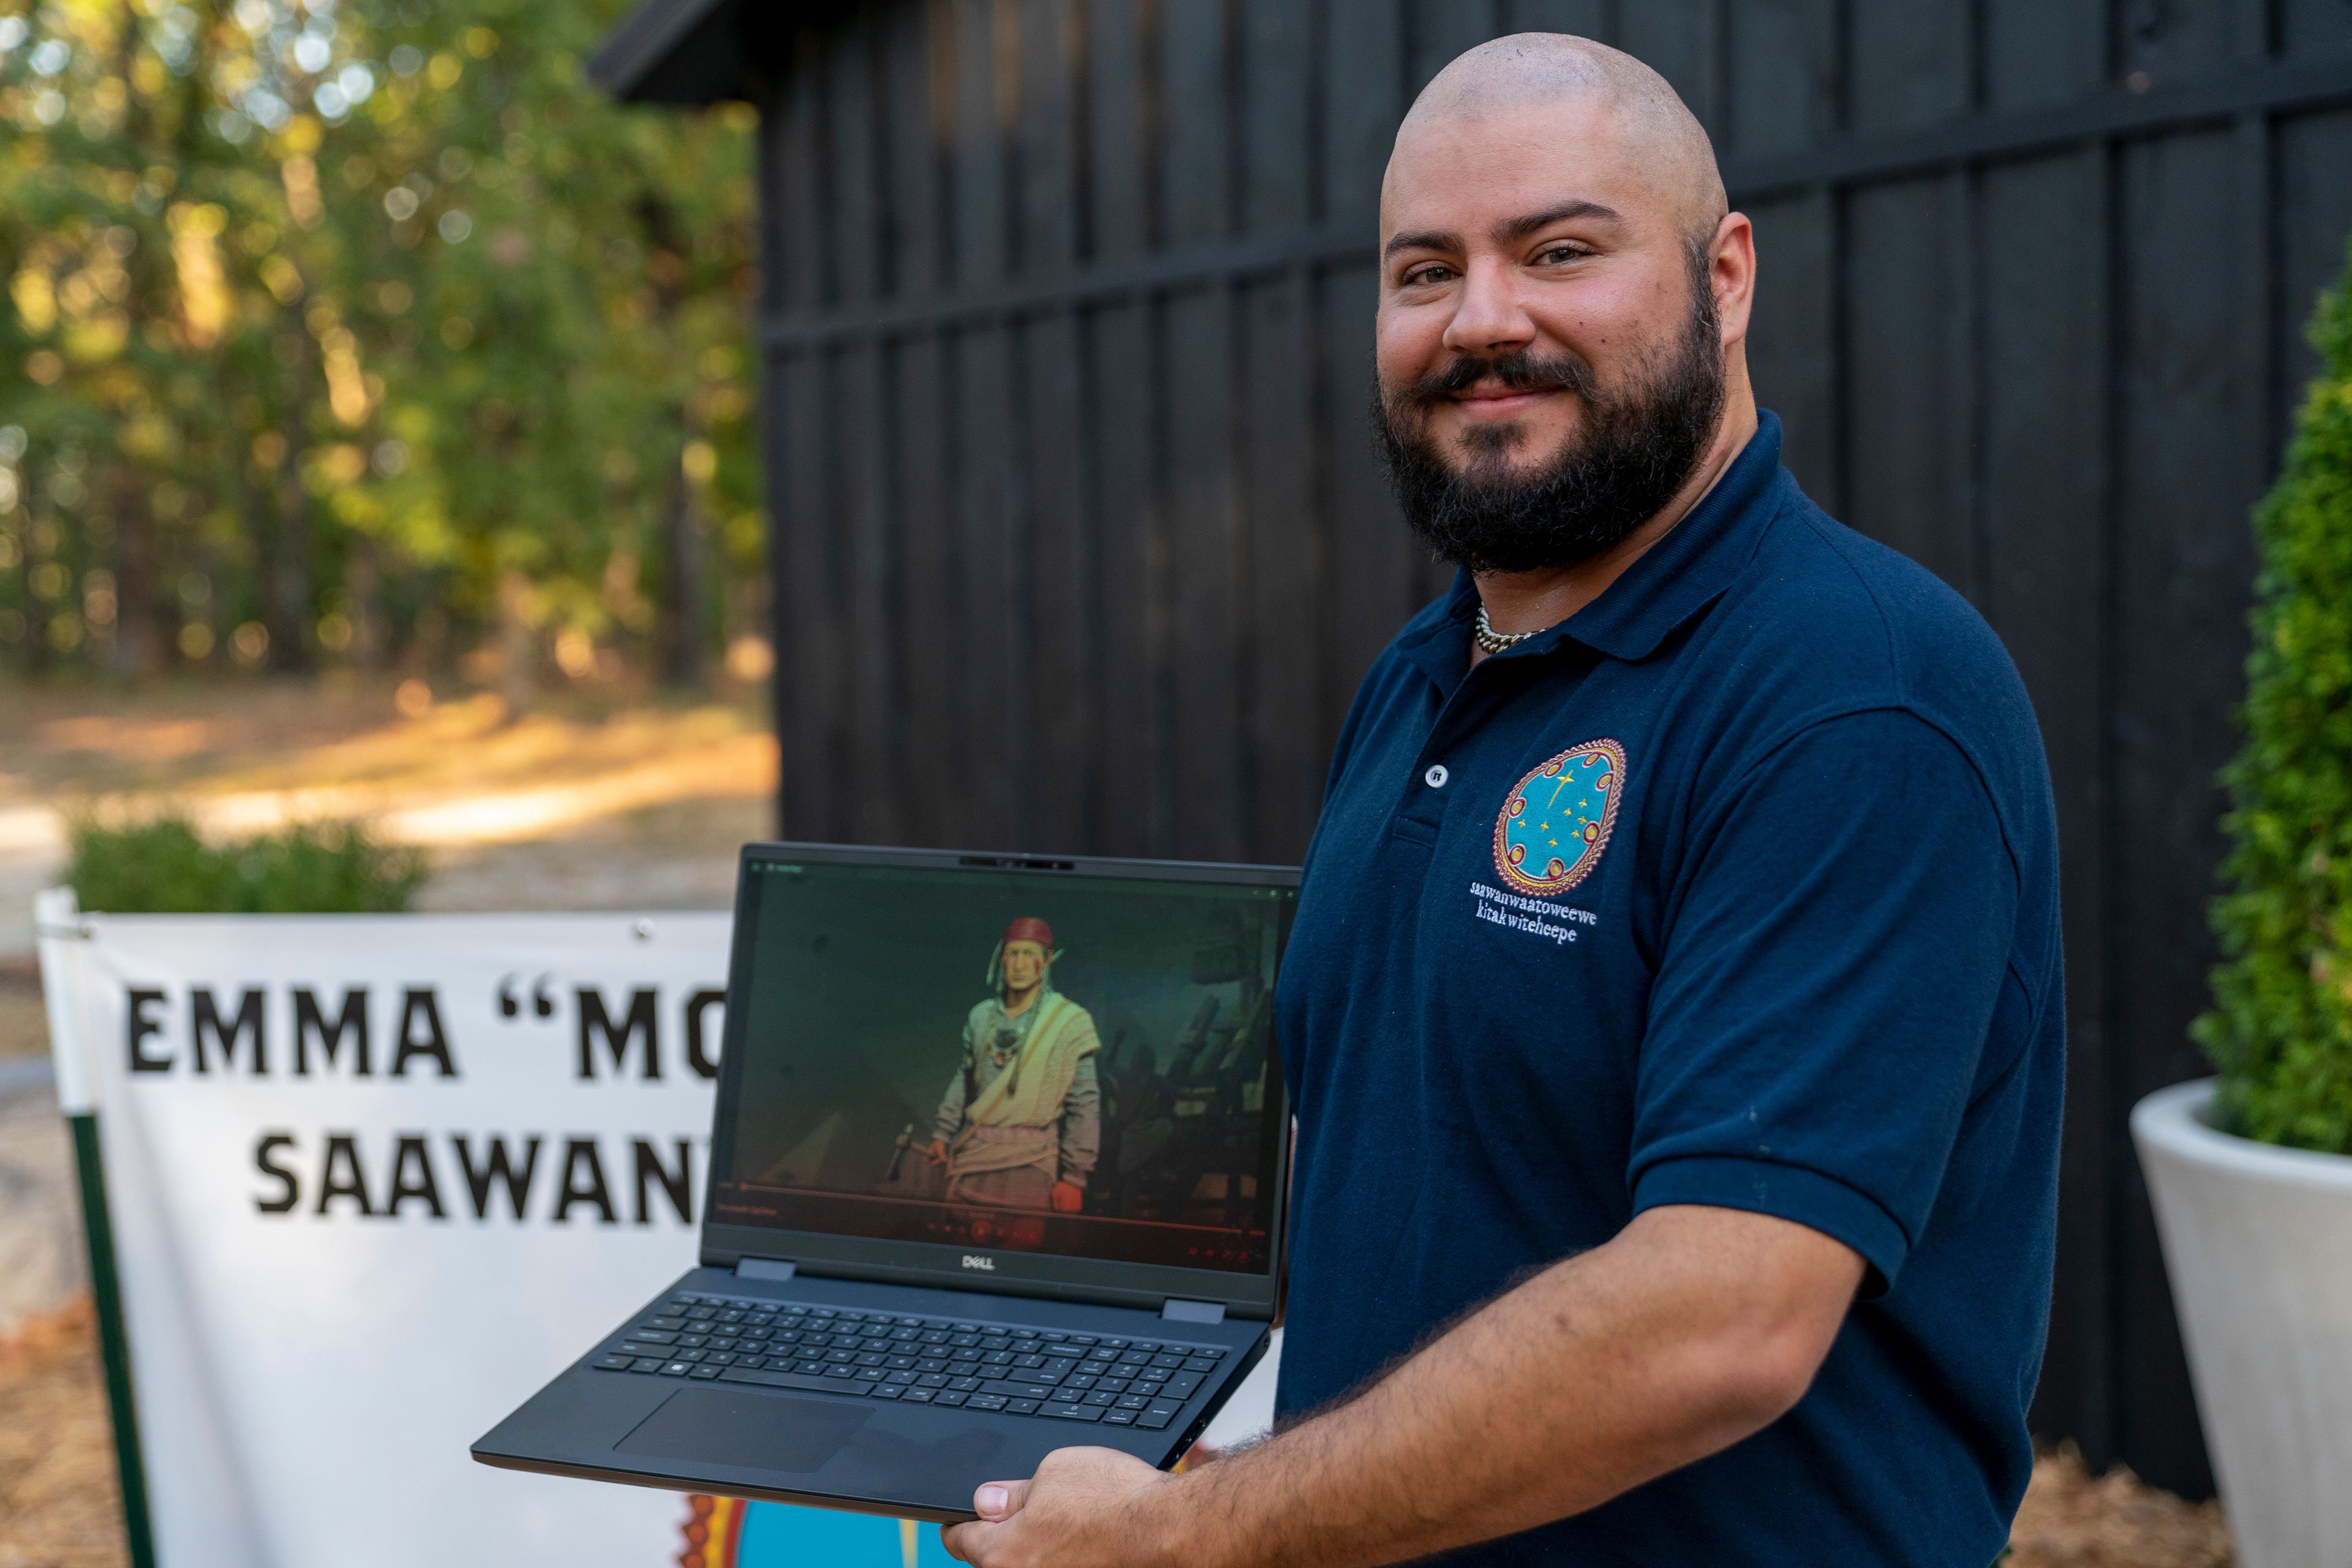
x,y
998,1167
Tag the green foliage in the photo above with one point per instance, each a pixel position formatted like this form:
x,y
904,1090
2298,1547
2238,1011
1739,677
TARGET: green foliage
x,y
2281,1032
161,867
365,331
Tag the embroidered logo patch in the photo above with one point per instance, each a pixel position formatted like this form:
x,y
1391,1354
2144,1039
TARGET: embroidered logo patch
x,y
1555,823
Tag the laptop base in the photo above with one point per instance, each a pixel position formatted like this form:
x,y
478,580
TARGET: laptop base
x,y
859,1453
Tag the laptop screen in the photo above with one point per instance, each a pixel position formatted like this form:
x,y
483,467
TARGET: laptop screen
x,y
996,1058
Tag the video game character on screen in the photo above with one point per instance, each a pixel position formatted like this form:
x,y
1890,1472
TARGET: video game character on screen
x,y
1021,1124
1100,1092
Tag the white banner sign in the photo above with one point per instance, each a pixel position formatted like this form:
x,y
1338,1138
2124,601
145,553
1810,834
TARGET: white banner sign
x,y
374,1181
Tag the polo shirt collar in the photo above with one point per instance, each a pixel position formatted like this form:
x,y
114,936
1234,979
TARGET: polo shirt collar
x,y
1674,579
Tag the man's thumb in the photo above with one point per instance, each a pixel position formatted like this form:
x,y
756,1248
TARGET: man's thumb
x,y
999,1500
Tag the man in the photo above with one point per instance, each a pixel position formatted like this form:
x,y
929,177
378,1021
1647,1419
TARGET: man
x,y
1673,1008
1022,1120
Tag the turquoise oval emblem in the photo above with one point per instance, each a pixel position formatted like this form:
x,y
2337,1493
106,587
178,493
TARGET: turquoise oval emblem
x,y
1555,821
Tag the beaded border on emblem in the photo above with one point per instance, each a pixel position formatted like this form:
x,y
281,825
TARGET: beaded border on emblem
x,y
1552,767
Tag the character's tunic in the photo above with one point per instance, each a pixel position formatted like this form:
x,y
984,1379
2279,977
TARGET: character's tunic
x,y
1034,1112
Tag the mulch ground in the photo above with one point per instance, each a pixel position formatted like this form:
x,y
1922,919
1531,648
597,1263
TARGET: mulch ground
x,y
2072,1518
58,1507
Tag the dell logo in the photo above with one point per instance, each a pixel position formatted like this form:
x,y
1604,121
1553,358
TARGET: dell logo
x,y
975,1261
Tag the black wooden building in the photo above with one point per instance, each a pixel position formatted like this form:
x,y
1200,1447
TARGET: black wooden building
x,y
1078,540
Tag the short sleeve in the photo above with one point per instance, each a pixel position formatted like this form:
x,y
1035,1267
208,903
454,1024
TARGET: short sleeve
x,y
1834,947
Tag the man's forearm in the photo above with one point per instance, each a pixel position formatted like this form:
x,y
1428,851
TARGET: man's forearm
x,y
1602,1373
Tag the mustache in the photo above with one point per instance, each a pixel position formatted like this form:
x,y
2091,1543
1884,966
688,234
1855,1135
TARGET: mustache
x,y
1520,371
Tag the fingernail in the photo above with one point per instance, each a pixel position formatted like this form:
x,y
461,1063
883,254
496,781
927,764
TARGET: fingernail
x,y
993,1499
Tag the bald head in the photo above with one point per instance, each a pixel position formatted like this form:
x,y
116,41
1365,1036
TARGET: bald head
x,y
1588,83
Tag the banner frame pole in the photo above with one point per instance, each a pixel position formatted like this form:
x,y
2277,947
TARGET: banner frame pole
x,y
56,918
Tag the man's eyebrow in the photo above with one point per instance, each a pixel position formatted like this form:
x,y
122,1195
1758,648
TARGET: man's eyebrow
x,y
1520,228
1505,232
1425,240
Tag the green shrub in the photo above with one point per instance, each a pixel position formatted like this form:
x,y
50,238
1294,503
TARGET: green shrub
x,y
2281,1031
159,866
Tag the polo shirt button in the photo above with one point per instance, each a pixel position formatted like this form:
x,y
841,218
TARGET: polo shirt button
x,y
1436,776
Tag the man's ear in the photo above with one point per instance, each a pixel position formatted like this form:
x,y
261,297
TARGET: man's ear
x,y
1731,272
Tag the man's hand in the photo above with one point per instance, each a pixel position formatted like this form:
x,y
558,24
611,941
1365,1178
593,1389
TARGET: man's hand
x,y
1691,1329
1086,1508
1069,1197
937,1154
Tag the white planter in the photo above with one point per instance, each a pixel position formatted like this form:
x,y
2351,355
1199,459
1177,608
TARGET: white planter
x,y
2258,1242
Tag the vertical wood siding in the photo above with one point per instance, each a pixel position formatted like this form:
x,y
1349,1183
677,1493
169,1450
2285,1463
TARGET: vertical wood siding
x,y
1080,544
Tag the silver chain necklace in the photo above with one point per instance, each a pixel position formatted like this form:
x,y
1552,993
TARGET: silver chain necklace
x,y
1489,640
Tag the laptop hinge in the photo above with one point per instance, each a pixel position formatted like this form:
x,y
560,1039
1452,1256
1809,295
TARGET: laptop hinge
x,y
764,1269
1177,1311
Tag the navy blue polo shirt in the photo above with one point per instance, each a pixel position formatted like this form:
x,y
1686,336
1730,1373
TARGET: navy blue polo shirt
x,y
1737,888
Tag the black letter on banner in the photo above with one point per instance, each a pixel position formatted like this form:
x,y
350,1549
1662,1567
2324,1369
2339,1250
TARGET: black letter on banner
x,y
679,1187
643,1014
411,1151
309,1021
704,1064
203,1018
293,1195
495,1166
141,1028
579,1153
352,1183
423,1006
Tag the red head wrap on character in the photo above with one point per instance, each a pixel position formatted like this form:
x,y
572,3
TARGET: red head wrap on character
x,y
1029,928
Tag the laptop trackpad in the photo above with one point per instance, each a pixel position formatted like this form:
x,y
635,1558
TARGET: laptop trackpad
x,y
753,1431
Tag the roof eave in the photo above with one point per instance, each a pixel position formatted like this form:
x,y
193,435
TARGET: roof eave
x,y
677,51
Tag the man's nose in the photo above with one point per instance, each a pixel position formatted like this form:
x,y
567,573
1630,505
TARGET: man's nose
x,y
1489,320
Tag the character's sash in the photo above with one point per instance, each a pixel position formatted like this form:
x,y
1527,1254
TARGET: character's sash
x,y
1029,1093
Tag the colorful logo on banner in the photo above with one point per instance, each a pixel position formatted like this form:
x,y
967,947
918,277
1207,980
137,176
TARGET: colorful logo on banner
x,y
1555,821
728,1533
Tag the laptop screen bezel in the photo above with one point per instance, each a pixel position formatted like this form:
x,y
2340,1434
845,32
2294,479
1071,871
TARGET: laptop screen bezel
x,y
1063,1278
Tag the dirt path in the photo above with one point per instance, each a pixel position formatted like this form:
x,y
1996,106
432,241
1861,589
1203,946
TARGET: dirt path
x,y
579,805
41,1263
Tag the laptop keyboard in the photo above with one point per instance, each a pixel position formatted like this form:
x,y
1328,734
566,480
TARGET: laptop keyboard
x,y
1044,1373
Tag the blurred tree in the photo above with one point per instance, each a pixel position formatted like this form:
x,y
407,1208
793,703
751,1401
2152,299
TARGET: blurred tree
x,y
365,330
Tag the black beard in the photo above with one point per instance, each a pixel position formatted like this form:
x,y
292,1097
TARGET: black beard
x,y
1634,449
